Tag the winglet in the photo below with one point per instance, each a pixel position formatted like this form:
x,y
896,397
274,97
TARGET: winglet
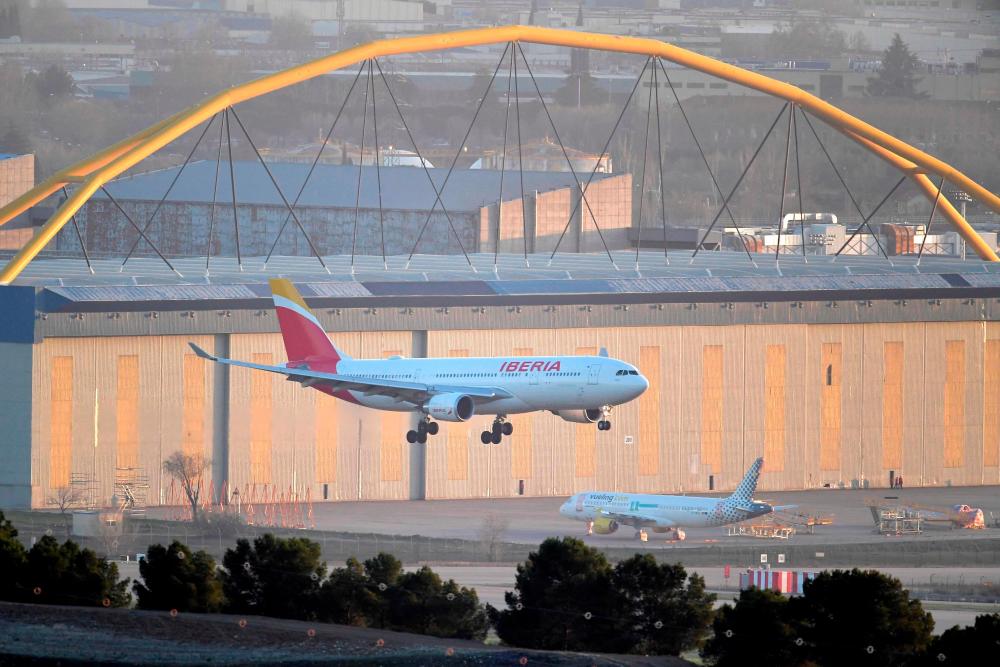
x,y
603,352
202,353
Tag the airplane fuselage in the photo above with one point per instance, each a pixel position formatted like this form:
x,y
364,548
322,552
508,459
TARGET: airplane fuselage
x,y
662,511
535,383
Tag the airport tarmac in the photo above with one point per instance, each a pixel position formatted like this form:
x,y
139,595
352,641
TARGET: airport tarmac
x,y
531,520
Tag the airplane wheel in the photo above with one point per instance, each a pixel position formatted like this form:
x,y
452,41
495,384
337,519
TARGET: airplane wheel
x,y
486,437
422,438
507,428
432,428
496,438
411,437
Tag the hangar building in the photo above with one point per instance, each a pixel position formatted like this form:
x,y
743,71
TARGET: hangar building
x,y
838,372
342,216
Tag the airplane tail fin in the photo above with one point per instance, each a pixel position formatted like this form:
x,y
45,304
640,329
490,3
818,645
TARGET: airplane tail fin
x,y
303,335
744,492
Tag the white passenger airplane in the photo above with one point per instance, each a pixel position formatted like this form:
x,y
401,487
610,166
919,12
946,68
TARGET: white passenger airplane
x,y
605,512
581,389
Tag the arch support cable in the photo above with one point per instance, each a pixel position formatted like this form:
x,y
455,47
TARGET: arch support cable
x,y
79,236
102,167
215,197
930,221
170,189
645,151
137,228
315,162
361,166
708,167
277,188
865,222
784,182
569,163
454,161
503,162
739,181
843,182
420,158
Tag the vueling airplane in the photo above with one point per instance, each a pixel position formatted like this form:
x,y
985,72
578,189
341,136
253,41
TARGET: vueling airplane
x,y
605,512
581,389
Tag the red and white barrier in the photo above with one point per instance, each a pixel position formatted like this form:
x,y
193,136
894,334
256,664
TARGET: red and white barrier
x,y
789,582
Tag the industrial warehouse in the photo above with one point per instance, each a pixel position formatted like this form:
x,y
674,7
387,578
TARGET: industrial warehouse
x,y
843,372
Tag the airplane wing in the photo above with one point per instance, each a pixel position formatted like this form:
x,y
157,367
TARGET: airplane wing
x,y
638,519
411,392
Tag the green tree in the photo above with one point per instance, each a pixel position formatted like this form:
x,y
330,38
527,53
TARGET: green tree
x,y
14,140
381,572
668,611
755,625
292,33
13,558
347,596
976,645
564,599
420,602
807,38
66,574
175,578
860,618
53,82
274,576
897,77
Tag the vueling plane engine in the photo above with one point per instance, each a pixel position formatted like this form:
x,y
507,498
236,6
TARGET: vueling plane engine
x,y
605,526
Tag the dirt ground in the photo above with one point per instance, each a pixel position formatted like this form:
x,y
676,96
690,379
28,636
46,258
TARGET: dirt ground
x,y
53,635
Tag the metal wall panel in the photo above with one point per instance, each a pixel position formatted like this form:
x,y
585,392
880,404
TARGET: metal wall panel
x,y
774,408
193,440
831,406
327,438
127,412
649,412
713,384
991,403
261,406
892,405
61,422
954,403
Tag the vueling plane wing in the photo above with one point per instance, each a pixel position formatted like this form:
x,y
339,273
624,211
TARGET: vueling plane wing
x,y
412,392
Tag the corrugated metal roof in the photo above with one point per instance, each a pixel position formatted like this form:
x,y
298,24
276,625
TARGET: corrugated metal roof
x,y
403,188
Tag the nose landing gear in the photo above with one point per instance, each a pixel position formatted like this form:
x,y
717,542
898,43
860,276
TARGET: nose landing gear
x,y
425,428
605,424
501,427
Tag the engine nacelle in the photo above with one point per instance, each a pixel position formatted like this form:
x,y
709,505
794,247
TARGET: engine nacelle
x,y
580,416
450,407
605,526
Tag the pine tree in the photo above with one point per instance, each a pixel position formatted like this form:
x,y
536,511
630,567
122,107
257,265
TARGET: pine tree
x,y
897,78
14,140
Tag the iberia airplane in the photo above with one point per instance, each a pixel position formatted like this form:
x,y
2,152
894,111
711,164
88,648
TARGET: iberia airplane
x,y
581,389
605,512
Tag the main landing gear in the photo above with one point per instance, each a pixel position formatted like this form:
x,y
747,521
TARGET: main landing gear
x,y
501,427
425,428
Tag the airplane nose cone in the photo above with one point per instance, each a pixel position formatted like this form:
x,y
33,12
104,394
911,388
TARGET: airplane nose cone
x,y
642,384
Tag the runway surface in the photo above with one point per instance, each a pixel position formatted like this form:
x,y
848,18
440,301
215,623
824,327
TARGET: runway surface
x,y
531,520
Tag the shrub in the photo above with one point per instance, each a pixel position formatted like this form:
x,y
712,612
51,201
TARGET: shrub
x,y
67,574
275,576
175,578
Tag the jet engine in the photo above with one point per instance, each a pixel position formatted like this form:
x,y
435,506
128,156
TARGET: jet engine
x,y
450,407
605,526
580,416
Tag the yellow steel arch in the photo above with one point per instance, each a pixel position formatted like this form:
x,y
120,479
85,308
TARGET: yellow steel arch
x,y
93,172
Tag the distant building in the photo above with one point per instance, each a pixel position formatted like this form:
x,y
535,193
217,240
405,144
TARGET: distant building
x,y
329,207
17,176
545,155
